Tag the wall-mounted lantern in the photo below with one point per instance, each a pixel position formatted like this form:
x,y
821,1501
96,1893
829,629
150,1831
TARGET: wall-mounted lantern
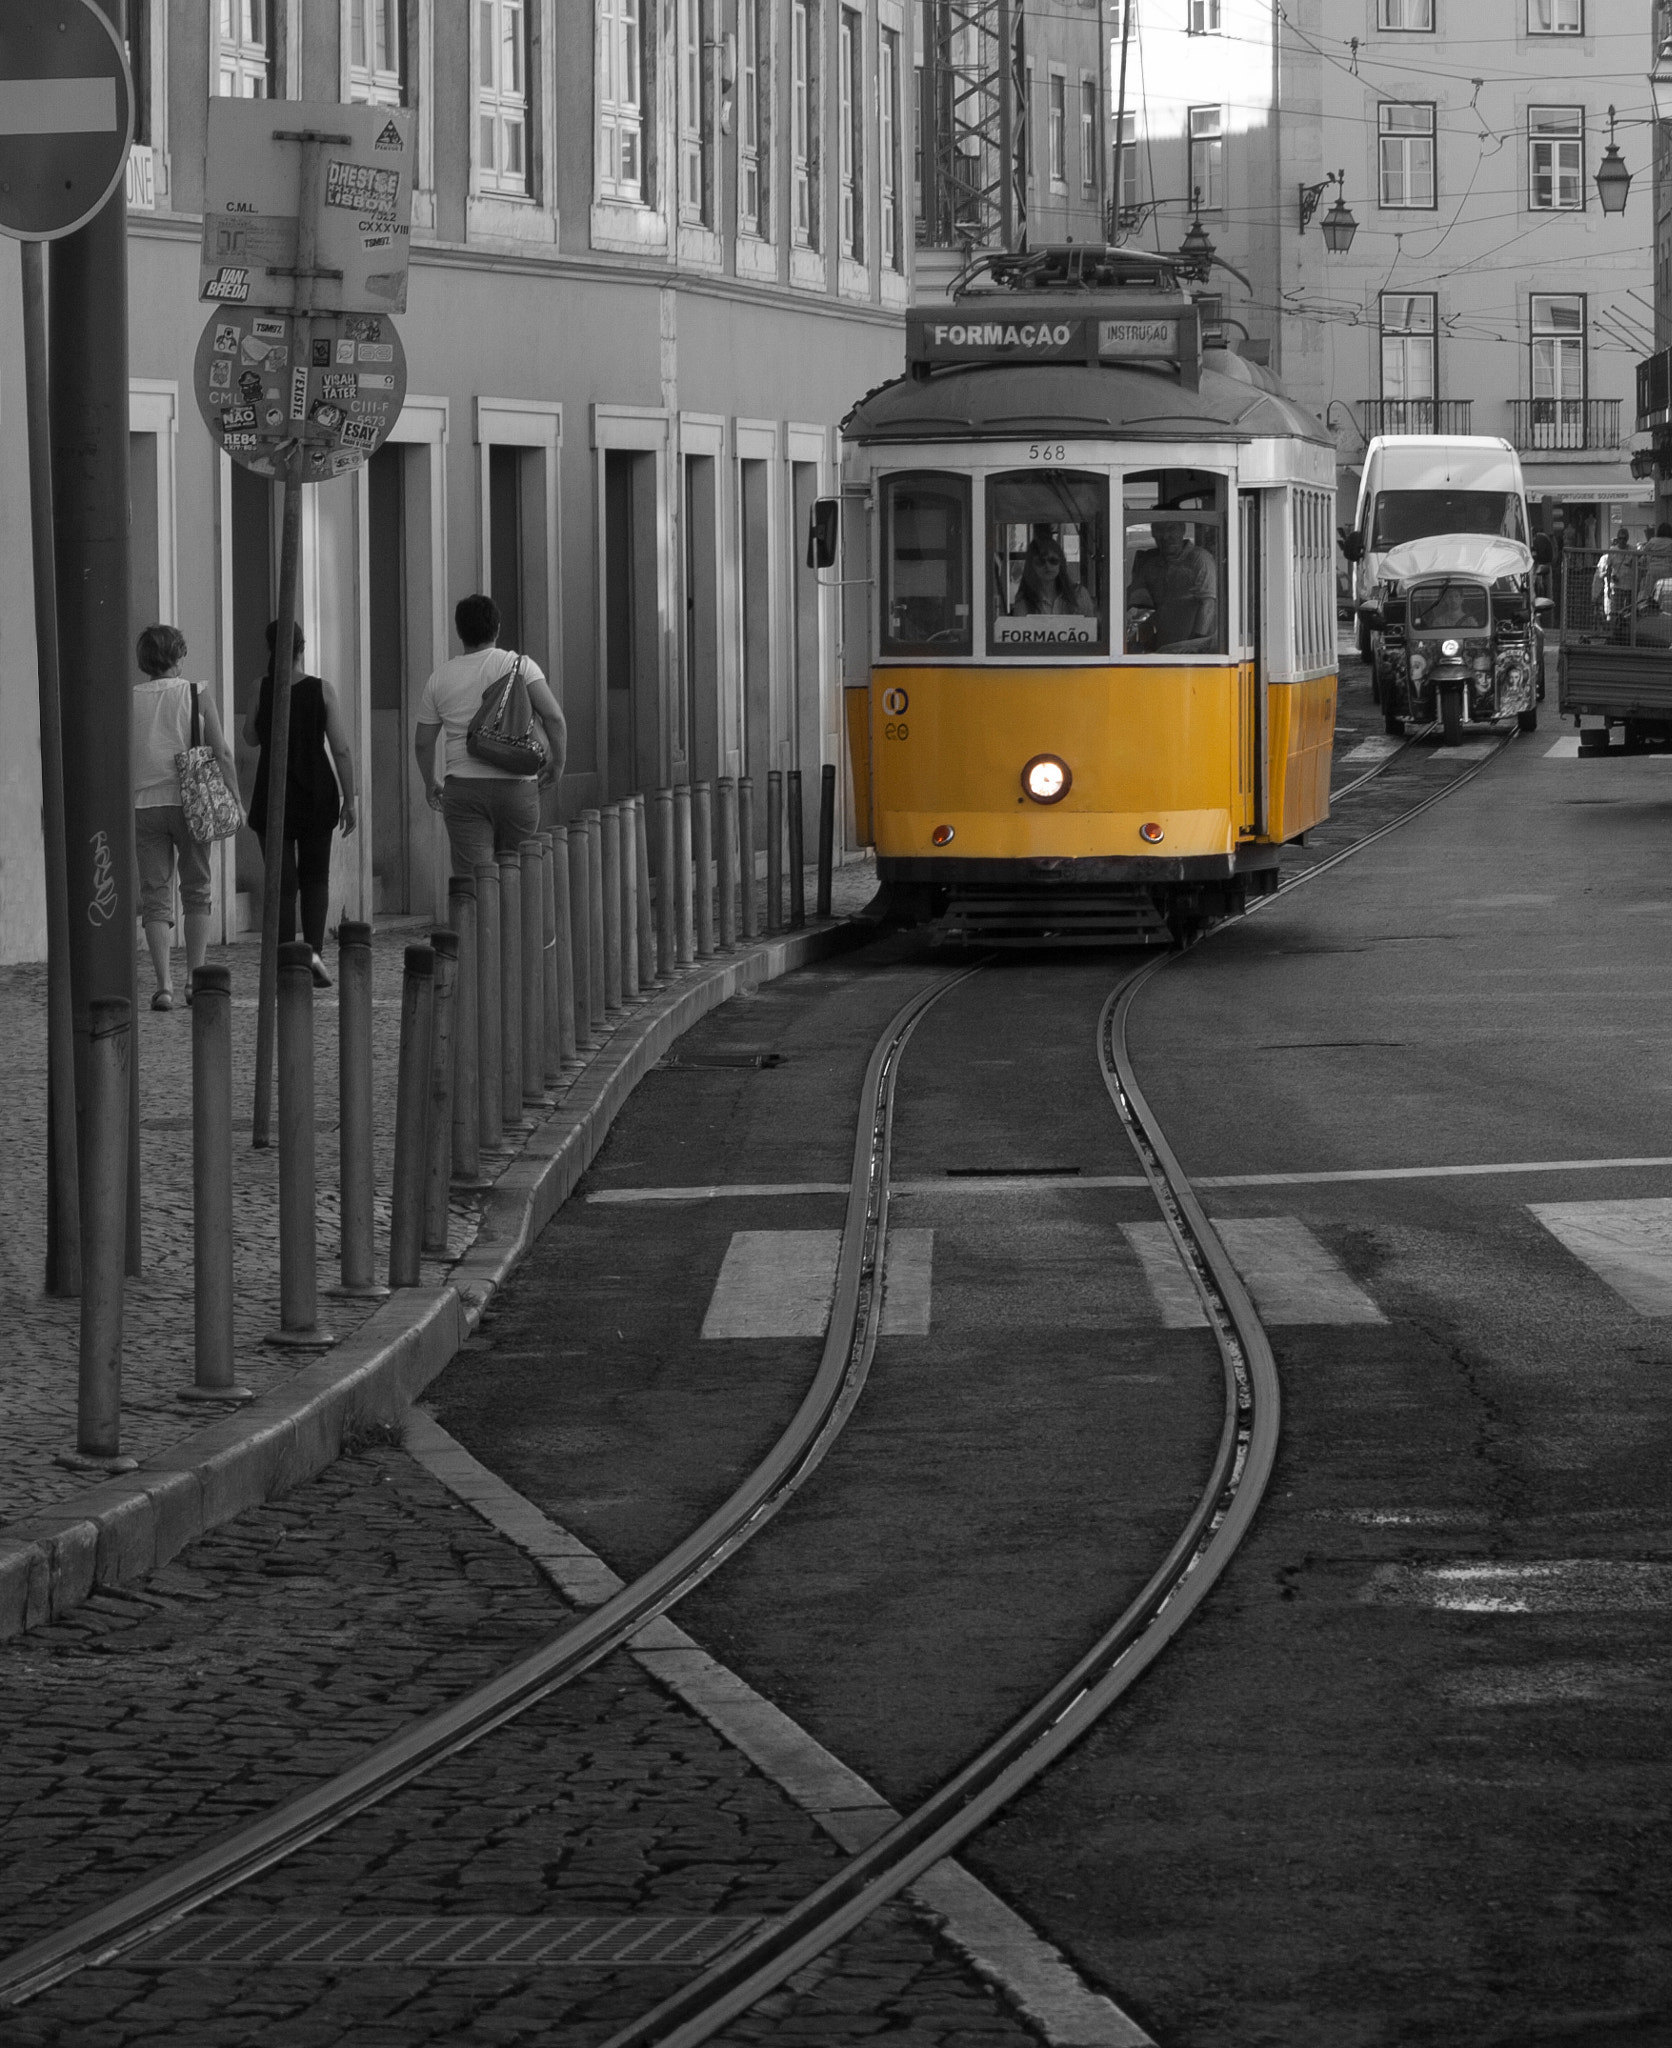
x,y
1338,226
1613,179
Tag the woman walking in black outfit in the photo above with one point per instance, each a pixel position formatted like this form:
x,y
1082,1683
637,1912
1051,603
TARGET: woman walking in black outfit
x,y
315,800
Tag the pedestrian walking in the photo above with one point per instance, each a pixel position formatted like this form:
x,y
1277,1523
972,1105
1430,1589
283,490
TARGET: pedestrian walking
x,y
1656,578
162,732
488,809
316,801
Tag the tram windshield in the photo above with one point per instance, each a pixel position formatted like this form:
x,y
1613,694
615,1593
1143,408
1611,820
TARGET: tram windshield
x,y
926,565
1047,540
1175,562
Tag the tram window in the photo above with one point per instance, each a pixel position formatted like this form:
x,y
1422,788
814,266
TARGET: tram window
x,y
1174,562
1047,536
926,566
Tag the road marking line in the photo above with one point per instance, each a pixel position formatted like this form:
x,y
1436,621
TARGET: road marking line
x,y
1628,1245
57,106
1577,1585
1292,1278
908,1266
996,1942
740,1190
1170,1286
775,1283
1299,1180
1376,748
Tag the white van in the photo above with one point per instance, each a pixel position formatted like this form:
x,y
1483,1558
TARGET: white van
x,y
1418,485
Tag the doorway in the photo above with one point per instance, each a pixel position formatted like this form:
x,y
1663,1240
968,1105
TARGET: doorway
x,y
386,741
632,652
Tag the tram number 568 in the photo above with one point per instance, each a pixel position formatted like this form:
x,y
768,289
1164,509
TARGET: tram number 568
x,y
1047,451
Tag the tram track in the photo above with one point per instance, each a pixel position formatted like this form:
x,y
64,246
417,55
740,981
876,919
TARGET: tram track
x,y
1060,1717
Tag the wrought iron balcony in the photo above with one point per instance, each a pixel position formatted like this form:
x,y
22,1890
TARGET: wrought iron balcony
x,y
1416,416
1565,422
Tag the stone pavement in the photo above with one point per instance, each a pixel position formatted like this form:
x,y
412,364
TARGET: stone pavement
x,y
38,1367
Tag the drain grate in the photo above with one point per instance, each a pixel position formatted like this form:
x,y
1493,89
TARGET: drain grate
x,y
474,1941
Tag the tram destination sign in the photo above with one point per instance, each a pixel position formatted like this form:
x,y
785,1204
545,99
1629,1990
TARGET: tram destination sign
x,y
259,398
252,199
1007,329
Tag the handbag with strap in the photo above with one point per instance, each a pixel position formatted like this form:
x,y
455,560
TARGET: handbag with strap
x,y
212,811
501,735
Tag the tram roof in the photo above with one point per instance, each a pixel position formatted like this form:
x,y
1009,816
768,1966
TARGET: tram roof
x,y
1233,400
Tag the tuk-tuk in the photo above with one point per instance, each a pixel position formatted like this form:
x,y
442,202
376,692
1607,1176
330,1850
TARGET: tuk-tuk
x,y
1457,633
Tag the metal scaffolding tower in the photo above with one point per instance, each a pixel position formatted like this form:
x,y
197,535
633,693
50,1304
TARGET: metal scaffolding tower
x,y
974,117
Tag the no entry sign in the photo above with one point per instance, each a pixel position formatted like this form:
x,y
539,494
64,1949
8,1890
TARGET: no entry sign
x,y
66,117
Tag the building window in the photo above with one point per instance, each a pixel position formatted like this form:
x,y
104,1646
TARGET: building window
x,y
850,57
1406,14
1555,17
244,68
804,121
693,111
1558,345
1126,171
139,66
1556,159
374,52
1408,323
888,147
620,100
1088,137
754,182
1057,129
1405,141
1207,158
502,96
1204,17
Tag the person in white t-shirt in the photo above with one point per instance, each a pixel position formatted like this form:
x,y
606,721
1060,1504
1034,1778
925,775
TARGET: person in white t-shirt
x,y
486,811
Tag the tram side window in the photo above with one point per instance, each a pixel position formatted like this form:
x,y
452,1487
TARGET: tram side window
x,y
926,562
1048,540
1174,561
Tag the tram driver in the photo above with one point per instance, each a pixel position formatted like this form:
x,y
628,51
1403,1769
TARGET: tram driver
x,y
1177,583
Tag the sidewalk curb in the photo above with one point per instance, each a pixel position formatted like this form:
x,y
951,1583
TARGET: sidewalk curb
x,y
115,1533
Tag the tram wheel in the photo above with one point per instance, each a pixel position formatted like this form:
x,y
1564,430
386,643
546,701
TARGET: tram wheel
x,y
1527,721
1451,716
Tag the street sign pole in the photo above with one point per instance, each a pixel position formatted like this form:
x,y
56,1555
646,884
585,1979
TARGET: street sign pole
x,y
63,1222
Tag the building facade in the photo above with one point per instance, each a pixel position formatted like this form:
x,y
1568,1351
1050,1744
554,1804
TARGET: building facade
x,y
658,248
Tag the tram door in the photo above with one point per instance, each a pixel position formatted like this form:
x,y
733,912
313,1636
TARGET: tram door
x,y
1251,701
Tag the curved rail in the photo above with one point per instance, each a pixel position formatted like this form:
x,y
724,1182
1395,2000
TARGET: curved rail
x,y
103,1934
1241,1468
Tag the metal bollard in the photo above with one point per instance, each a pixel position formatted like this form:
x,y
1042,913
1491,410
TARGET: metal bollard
x,y
551,992
702,865
774,850
798,872
489,1050
510,993
667,921
354,1111
685,935
467,1135
609,833
728,863
595,918
104,1229
646,914
212,1189
412,1097
438,1129
580,928
749,905
827,834
299,1325
563,902
533,882
630,899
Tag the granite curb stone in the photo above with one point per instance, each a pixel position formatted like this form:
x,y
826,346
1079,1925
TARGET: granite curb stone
x,y
116,1532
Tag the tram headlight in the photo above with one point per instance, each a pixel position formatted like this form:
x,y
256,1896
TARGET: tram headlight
x,y
1451,648
1047,779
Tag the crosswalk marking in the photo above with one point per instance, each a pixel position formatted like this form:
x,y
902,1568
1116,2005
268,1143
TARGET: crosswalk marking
x,y
781,1283
1376,748
908,1265
1470,750
774,1283
1626,1244
1565,749
1170,1285
1290,1275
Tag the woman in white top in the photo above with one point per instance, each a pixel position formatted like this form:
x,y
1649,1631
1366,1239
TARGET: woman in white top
x,y
163,729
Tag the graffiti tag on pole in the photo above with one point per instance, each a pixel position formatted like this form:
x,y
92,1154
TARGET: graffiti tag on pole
x,y
102,907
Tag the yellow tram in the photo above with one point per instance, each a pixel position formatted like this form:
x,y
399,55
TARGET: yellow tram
x,y
1101,673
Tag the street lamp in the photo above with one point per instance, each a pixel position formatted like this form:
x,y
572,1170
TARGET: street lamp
x,y
1196,253
1613,179
1338,226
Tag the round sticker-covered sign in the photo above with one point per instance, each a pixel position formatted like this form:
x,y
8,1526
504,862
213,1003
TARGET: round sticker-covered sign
x,y
266,393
